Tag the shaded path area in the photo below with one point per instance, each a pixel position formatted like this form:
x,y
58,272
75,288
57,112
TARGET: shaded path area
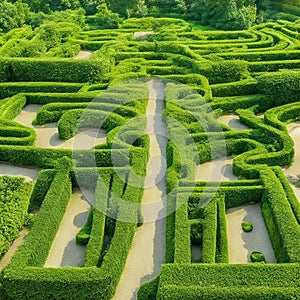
x,y
64,251
242,244
233,121
148,249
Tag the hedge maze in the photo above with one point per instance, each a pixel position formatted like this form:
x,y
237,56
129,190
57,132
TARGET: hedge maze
x,y
253,74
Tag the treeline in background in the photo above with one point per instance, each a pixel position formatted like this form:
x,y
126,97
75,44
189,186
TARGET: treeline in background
x,y
220,14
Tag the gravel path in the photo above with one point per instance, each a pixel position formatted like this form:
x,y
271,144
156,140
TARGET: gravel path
x,y
47,135
233,121
242,244
64,251
148,249
142,34
84,54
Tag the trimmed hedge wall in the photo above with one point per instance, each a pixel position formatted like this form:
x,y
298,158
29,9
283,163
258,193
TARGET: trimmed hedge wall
x,y
22,69
14,201
283,228
223,281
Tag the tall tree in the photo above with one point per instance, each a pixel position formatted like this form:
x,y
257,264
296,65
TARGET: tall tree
x,y
8,16
231,14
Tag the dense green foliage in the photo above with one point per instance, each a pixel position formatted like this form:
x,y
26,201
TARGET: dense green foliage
x,y
247,226
14,201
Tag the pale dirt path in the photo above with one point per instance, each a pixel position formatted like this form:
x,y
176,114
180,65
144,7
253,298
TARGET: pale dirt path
x,y
148,249
294,169
29,174
233,121
14,247
84,54
47,135
242,244
216,170
142,34
64,251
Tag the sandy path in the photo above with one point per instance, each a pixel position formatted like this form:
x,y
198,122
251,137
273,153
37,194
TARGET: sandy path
x,y
47,135
14,247
64,251
216,170
142,34
28,174
84,54
233,121
294,169
148,249
242,244
196,252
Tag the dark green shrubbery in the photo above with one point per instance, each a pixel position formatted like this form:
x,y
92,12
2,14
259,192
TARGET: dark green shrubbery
x,y
83,236
257,257
227,71
280,220
282,87
223,281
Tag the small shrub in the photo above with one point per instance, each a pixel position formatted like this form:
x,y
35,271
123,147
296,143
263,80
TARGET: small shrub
x,y
247,226
257,257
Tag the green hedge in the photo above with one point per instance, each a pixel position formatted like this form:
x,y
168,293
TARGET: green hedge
x,y
240,88
289,192
283,228
14,201
41,188
226,71
273,66
171,292
22,69
9,89
71,121
223,281
11,107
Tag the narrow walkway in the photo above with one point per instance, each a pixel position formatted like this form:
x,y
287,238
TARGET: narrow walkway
x,y
216,170
14,247
233,121
148,249
242,244
64,251
29,174
84,54
142,34
47,135
294,169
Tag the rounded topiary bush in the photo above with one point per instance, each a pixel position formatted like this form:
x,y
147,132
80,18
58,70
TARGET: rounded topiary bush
x,y
257,256
247,226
